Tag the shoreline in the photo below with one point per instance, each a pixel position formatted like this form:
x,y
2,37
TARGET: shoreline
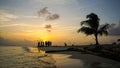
x,y
107,51
72,59
69,58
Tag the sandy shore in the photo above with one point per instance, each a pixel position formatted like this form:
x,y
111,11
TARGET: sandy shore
x,y
78,60
30,57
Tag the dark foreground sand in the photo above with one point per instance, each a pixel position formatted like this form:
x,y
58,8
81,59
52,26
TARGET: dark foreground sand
x,y
73,59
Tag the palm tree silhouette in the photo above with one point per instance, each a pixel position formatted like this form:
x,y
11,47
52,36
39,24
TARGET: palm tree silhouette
x,y
92,27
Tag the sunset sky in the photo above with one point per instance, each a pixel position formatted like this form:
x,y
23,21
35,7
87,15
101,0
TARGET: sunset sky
x,y
55,20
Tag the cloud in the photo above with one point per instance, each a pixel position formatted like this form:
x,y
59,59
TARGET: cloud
x,y
4,41
17,25
115,29
49,16
4,16
53,17
32,17
48,27
57,2
43,11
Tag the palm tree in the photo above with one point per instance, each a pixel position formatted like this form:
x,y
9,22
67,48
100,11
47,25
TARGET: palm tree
x,y
92,27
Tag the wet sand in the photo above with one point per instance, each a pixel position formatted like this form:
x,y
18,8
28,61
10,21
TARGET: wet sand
x,y
73,59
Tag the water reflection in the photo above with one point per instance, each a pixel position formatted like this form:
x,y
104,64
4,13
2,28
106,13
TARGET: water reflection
x,y
36,50
24,57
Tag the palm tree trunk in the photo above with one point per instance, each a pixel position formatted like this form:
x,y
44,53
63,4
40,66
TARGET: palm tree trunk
x,y
96,39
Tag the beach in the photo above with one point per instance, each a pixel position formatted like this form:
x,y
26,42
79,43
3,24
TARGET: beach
x,y
32,57
71,59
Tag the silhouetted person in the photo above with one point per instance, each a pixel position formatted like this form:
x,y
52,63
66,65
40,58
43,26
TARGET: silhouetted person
x,y
118,40
65,44
46,43
72,44
42,43
50,43
38,44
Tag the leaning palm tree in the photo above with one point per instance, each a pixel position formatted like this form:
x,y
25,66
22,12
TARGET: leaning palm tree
x,y
92,27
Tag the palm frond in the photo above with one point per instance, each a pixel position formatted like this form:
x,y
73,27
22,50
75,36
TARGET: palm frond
x,y
103,33
103,30
79,30
93,16
104,27
83,23
90,23
86,30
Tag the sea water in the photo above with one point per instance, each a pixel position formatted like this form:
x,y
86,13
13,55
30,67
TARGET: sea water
x,y
24,57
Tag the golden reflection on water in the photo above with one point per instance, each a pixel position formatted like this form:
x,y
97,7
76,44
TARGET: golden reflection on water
x,y
36,50
24,57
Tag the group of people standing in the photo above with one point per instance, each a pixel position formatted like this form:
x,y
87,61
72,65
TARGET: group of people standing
x,y
46,43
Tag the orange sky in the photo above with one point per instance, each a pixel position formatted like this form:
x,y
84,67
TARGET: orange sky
x,y
54,20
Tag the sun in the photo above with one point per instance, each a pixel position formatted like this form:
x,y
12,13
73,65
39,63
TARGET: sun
x,y
45,38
